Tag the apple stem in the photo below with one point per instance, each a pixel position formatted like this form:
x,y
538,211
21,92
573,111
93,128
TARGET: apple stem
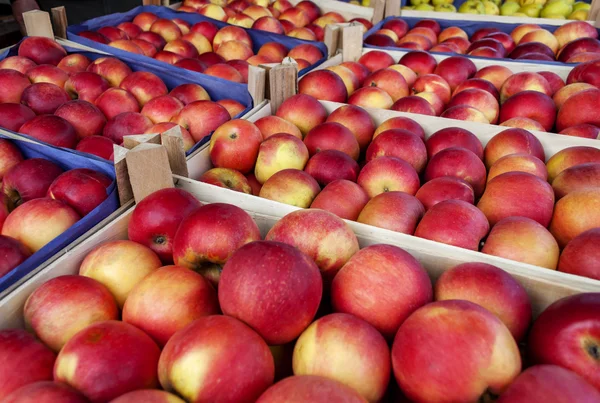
x,y
593,351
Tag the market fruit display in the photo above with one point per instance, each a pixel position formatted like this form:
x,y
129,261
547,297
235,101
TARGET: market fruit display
x,y
507,198
453,88
39,200
553,9
573,42
274,310
100,101
203,47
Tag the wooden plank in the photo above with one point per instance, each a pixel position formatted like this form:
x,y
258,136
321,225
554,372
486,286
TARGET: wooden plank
x,y
59,21
149,170
392,8
37,23
283,83
172,139
352,42
257,79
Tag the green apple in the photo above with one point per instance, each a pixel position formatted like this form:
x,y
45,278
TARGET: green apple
x,y
424,7
532,10
472,7
581,15
419,2
524,3
445,8
490,8
557,7
509,8
580,5
440,2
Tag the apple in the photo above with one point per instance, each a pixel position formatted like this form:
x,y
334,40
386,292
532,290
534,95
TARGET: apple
x,y
453,137
583,130
46,309
184,295
169,30
505,39
577,177
125,124
520,162
234,108
226,178
28,180
399,26
82,189
25,360
51,129
271,125
555,81
357,120
235,145
45,391
115,101
193,250
524,81
465,112
108,359
188,93
94,36
376,60
43,98
144,86
127,45
489,360
330,165
112,69
491,288
37,222
413,104
523,123
316,389
156,218
324,85
47,73
480,100
571,157
432,83
317,353
42,50
580,255
390,81
578,109
162,108
415,42
360,71
273,50
444,188
242,67
395,211
455,70
10,156
172,58
495,45
13,116
147,48
371,97
225,72
99,146
524,240
13,251
145,20
200,118
460,163
86,86
108,262
385,174
86,119
291,186
572,320
400,122
113,33
517,194
304,111
148,395
18,63
307,52
522,29
459,43
153,38
574,214
332,136
578,46
419,62
401,144
343,198
549,382
530,104
454,222
494,74
512,141
541,36
319,234
252,377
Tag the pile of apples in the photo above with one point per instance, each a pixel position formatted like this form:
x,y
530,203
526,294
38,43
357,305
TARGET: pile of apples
x,y
303,20
299,316
202,47
454,89
39,201
446,188
574,42
70,101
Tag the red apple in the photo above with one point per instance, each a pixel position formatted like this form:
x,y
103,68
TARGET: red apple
x,y
51,129
376,60
13,251
533,105
28,180
512,141
317,353
47,73
188,93
580,256
144,86
578,109
343,198
235,145
111,358
86,86
12,85
395,211
145,20
304,111
357,120
400,144
99,146
453,137
18,63
445,188
460,163
454,222
64,305
86,119
200,118
115,101
112,69
414,104
45,392
44,98
291,186
305,229
13,116
307,388
455,70
42,50
385,174
332,136
94,36
82,189
162,109
324,85
148,395
420,62
329,165
400,122
125,124
478,83
24,360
